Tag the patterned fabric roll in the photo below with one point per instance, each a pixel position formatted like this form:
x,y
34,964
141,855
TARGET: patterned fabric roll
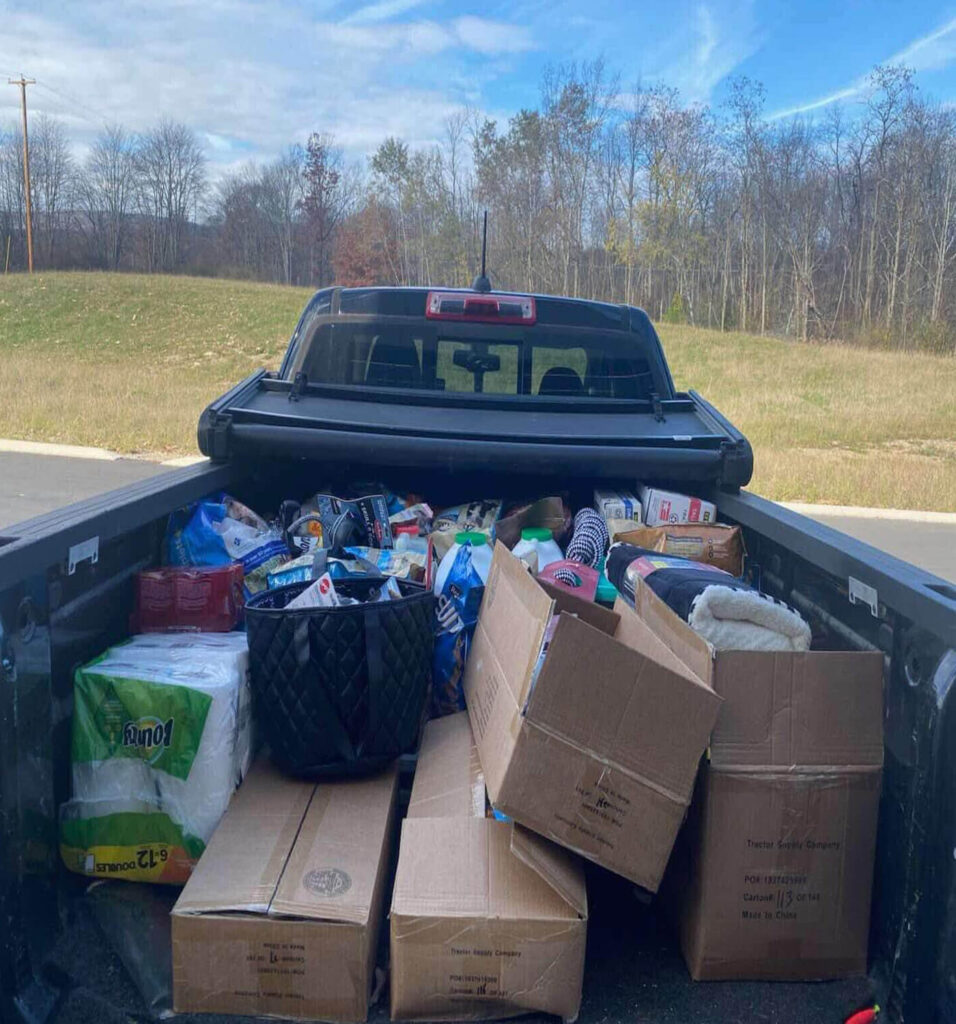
x,y
590,540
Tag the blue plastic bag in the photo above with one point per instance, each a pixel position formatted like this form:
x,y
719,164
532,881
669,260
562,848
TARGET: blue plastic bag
x,y
457,616
222,530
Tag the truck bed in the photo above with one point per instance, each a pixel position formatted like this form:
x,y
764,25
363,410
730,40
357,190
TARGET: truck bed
x,y
65,586
634,972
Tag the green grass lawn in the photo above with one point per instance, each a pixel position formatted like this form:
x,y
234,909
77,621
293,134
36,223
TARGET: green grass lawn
x,y
127,362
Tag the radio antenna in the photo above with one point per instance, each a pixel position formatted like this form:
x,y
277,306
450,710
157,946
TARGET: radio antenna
x,y
481,282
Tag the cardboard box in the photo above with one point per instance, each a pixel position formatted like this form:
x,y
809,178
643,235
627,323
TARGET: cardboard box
x,y
664,507
600,753
618,505
488,920
773,875
281,915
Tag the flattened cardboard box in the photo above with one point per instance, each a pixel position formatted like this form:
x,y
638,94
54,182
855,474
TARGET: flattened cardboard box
x,y
281,915
600,753
773,874
488,920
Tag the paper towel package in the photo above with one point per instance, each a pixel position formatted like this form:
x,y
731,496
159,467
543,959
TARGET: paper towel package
x,y
161,738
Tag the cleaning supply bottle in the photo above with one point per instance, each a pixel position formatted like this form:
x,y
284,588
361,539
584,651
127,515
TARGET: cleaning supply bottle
x,y
540,540
480,557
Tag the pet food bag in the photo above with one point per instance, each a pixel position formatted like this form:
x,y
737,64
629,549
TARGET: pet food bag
x,y
223,530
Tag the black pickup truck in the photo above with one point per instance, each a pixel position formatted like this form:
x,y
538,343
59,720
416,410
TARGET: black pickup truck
x,y
461,395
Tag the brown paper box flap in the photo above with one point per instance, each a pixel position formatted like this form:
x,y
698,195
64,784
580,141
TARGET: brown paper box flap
x,y
595,615
548,512
633,631
449,782
246,856
780,708
821,708
692,649
515,610
514,614
636,713
464,867
556,866
336,859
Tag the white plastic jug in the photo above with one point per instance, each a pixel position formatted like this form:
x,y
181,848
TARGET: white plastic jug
x,y
480,557
540,540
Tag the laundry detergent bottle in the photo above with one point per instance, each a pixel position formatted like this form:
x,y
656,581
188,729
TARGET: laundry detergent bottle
x,y
538,539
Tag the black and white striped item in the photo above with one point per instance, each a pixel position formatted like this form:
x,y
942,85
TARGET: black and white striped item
x,y
587,546
590,539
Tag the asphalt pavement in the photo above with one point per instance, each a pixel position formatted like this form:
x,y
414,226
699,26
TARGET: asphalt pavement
x,y
32,483
927,543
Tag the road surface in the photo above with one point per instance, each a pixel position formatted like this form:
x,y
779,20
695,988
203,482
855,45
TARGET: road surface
x,y
31,484
927,543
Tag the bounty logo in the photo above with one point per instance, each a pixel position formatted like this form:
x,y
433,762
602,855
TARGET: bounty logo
x,y
149,737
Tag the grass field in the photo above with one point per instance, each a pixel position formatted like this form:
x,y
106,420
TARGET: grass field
x,y
127,362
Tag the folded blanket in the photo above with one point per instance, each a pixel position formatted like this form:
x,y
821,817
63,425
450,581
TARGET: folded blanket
x,y
727,612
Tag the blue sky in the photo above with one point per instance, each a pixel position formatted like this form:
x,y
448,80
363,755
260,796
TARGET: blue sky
x,y
253,76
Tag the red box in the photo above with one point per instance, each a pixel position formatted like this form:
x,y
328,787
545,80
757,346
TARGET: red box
x,y
201,598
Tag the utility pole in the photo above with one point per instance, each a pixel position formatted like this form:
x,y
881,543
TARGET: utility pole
x,y
23,83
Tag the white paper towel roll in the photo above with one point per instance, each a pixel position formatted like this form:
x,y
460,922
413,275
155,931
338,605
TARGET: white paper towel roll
x,y
213,664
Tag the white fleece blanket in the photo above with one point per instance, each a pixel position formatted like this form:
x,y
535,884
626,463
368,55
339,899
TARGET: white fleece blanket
x,y
748,621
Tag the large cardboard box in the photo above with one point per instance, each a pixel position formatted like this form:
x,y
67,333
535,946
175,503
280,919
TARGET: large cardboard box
x,y
281,915
488,920
600,753
773,876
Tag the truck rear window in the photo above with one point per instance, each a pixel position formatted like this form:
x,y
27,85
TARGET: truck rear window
x,y
472,359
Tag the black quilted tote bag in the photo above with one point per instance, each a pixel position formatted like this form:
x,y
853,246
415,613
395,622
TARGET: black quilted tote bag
x,y
340,691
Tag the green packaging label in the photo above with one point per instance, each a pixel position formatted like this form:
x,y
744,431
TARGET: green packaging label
x,y
157,723
139,846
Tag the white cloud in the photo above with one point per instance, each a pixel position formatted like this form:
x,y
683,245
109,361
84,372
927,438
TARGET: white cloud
x,y
250,77
935,50
718,43
372,13
849,92
492,37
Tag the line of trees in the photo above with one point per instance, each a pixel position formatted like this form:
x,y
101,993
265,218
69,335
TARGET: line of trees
x,y
839,229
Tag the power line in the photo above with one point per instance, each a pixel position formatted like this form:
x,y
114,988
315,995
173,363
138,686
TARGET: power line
x,y
101,119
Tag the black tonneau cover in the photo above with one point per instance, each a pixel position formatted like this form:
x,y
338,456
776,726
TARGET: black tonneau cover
x,y
681,438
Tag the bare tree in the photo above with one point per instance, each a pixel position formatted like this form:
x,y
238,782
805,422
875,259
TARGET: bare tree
x,y
283,186
170,189
106,193
52,184
832,229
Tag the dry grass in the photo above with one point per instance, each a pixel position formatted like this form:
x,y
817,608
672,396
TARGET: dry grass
x,y
127,362
833,424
